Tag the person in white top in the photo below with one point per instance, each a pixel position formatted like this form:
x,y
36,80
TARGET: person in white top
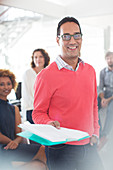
x,y
40,59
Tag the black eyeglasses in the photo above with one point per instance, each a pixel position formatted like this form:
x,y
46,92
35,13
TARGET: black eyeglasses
x,y
67,37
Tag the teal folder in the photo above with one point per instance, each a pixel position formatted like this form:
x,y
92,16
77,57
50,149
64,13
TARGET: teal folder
x,y
43,141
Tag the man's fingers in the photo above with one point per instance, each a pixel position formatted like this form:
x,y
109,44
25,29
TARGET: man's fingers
x,y
56,124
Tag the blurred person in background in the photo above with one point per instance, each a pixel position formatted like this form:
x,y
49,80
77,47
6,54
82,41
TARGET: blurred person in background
x,y
105,98
40,60
12,147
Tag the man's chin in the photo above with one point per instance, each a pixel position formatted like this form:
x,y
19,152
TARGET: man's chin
x,y
111,66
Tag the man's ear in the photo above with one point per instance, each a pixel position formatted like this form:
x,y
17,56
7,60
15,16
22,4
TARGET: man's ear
x,y
57,40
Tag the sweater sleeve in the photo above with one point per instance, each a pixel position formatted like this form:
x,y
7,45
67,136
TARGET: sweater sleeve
x,y
42,97
101,82
95,110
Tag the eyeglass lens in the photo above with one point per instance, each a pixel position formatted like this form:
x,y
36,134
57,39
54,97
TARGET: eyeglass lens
x,y
67,37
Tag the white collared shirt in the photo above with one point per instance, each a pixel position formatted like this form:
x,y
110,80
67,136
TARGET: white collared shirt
x,y
62,64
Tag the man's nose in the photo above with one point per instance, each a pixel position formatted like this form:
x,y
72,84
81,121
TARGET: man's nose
x,y
72,40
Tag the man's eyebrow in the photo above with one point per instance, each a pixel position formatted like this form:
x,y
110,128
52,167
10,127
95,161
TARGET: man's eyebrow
x,y
77,33
66,34
70,34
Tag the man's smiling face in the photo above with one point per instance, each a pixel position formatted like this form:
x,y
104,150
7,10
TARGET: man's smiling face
x,y
71,48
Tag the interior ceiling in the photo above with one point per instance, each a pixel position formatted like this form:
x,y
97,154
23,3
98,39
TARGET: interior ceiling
x,y
96,12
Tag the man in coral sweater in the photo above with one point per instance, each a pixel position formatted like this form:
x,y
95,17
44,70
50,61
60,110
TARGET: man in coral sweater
x,y
66,96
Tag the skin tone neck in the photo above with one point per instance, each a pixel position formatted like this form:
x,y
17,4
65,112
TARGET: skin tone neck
x,y
37,69
72,62
70,50
110,68
3,97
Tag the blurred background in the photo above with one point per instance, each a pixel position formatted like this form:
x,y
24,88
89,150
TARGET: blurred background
x,y
27,25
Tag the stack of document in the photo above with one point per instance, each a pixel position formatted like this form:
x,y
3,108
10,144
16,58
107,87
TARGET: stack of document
x,y
49,135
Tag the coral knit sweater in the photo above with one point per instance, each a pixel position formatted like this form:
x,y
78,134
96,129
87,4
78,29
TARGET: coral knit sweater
x,y
69,97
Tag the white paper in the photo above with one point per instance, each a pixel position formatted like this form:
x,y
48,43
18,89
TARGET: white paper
x,y
53,134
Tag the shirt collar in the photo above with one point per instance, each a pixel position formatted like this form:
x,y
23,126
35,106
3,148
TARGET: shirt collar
x,y
107,69
62,64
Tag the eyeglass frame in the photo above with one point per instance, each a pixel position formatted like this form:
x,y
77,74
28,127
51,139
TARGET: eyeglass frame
x,y
61,36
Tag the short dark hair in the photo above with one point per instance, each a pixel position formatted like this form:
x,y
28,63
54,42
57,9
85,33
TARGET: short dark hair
x,y
67,19
45,55
108,54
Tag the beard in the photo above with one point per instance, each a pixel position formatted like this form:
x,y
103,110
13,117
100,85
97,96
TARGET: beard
x,y
111,65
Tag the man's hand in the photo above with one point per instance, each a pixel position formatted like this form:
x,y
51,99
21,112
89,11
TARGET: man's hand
x,y
55,124
93,140
104,102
